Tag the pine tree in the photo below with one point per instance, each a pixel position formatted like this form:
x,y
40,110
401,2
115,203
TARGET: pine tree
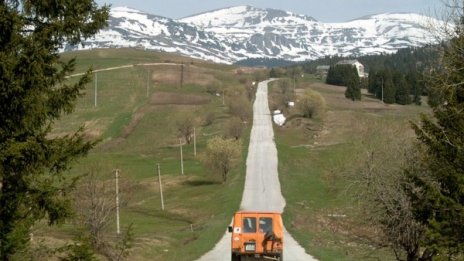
x,y
372,81
441,205
387,90
416,86
402,95
34,93
353,89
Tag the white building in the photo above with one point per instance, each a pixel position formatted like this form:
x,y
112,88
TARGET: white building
x,y
357,64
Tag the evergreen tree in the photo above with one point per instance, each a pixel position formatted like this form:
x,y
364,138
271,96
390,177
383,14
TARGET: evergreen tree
x,y
389,90
342,74
384,88
402,95
353,89
372,81
273,73
34,92
439,204
331,76
416,86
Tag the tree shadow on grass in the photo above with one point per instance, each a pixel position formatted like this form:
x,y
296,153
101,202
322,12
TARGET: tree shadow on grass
x,y
196,183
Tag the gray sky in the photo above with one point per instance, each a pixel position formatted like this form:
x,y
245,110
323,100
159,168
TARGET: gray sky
x,y
322,10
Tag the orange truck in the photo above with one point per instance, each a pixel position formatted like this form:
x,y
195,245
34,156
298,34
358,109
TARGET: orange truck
x,y
257,235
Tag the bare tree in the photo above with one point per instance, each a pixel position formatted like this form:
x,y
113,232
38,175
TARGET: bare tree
x,y
185,127
382,189
241,108
287,91
234,128
94,203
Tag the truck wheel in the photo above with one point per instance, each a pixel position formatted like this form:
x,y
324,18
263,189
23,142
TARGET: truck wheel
x,y
235,257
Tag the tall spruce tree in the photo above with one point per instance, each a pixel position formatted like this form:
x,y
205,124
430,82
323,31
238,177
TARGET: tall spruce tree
x,y
353,85
34,93
402,95
439,204
387,91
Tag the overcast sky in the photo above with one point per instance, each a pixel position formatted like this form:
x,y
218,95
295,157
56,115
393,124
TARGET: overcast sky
x,y
322,10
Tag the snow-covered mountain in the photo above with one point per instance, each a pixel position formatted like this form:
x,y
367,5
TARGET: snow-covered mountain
x,y
236,33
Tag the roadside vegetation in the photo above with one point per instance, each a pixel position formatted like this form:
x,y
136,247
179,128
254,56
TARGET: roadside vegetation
x,y
142,116
323,166
381,181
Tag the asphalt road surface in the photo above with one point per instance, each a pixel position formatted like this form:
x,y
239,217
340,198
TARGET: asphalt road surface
x,y
262,186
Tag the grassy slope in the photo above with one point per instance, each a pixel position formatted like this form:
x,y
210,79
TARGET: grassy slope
x,y
310,157
195,200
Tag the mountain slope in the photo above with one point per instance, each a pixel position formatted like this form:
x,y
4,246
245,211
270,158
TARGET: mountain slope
x,y
231,34
133,28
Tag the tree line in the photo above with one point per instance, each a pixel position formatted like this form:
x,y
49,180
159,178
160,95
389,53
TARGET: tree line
x,y
346,75
399,75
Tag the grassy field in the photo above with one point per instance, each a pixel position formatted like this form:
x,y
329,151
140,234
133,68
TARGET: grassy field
x,y
135,118
313,156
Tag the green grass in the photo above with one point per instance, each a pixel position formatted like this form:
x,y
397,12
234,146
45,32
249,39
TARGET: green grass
x,y
197,199
310,162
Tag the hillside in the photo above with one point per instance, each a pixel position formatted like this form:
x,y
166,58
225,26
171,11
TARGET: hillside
x,y
136,118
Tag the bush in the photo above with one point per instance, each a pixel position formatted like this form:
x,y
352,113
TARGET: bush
x,y
311,105
241,108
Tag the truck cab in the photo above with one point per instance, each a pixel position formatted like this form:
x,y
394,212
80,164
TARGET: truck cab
x,y
257,235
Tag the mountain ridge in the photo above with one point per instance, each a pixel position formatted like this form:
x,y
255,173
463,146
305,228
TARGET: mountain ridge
x,y
231,34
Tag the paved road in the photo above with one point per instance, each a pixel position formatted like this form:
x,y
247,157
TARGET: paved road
x,y
262,186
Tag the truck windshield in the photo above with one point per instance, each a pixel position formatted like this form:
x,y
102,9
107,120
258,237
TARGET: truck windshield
x,y
249,225
265,224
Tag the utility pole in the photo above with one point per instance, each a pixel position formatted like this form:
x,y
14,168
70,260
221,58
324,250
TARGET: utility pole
x,y
194,143
181,74
148,81
382,90
294,83
160,187
117,202
181,158
96,88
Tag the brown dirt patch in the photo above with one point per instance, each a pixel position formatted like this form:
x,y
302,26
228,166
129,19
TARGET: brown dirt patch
x,y
342,118
169,98
335,98
136,118
191,75
91,129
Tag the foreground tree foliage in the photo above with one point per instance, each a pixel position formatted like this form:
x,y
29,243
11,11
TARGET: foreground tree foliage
x,y
439,204
34,92
381,188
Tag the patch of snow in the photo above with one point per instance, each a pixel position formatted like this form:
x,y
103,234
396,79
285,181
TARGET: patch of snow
x,y
279,119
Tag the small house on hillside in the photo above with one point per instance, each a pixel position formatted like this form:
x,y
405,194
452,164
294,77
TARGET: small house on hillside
x,y
357,64
322,70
